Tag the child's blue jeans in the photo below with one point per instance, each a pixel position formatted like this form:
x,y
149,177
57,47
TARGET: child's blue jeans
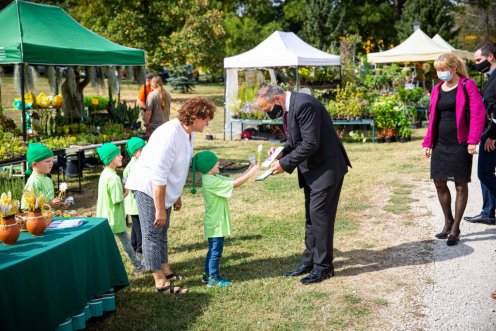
x,y
215,247
128,249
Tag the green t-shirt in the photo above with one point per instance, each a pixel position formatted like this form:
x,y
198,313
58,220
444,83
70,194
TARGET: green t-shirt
x,y
130,205
216,190
38,183
110,203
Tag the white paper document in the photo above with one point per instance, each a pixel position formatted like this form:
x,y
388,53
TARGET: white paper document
x,y
73,223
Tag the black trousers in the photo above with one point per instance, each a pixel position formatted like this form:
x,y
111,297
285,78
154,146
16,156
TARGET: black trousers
x,y
136,234
320,213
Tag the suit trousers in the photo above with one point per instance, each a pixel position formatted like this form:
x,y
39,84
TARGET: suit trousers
x,y
320,213
485,171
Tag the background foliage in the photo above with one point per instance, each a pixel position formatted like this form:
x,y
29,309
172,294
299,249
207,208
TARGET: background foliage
x,y
202,32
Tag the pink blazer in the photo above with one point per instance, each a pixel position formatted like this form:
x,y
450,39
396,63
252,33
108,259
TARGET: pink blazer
x,y
470,135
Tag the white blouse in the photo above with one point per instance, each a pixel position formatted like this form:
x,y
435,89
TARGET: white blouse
x,y
164,160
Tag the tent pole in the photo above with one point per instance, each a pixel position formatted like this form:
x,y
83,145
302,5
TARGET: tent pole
x,y
297,80
23,105
225,99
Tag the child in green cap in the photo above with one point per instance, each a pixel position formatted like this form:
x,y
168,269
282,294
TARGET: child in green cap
x,y
216,190
40,163
133,148
110,204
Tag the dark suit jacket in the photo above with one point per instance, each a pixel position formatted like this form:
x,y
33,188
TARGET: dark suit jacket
x,y
313,145
488,93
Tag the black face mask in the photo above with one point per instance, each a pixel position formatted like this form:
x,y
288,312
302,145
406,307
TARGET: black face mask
x,y
276,112
483,66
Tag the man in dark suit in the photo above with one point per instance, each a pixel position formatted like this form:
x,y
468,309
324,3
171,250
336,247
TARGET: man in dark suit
x,y
314,148
485,62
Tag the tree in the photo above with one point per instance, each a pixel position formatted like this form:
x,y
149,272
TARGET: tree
x,y
244,33
200,41
327,20
477,22
435,17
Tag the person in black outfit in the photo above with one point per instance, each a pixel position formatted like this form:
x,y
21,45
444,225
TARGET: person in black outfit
x,y
485,62
314,148
453,135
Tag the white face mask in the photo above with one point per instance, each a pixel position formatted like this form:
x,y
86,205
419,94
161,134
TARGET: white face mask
x,y
444,75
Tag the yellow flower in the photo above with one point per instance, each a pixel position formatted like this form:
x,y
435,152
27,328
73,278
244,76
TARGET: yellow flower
x,y
57,101
8,206
33,202
95,102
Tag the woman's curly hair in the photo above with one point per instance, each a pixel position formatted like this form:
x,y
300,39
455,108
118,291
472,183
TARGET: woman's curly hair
x,y
196,108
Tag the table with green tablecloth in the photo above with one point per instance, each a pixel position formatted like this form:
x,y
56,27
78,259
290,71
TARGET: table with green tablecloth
x,y
44,280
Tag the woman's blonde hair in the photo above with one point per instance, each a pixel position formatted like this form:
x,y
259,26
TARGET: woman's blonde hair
x,y
156,84
450,60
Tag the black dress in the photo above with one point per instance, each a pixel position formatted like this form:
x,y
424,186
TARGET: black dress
x,y
450,160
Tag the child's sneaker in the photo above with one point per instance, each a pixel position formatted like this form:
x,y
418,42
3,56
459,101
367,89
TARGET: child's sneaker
x,y
139,270
204,278
220,281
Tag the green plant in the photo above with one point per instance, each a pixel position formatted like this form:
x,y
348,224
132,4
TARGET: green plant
x,y
94,102
182,79
424,101
120,113
386,110
347,103
410,96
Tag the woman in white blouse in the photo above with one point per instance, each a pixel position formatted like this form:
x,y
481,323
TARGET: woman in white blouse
x,y
158,179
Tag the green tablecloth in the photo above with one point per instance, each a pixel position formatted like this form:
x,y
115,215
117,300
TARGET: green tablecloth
x,y
44,280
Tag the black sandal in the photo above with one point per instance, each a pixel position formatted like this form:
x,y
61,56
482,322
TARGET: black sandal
x,y
173,276
169,289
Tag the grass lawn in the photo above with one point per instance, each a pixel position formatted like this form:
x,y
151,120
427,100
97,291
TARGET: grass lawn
x,y
373,240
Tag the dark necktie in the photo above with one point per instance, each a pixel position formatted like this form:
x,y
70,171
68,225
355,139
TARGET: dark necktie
x,y
285,123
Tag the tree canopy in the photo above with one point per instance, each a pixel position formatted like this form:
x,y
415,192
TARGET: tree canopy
x,y
202,32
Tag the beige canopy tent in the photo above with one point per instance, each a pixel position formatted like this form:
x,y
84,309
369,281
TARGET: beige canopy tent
x,y
461,53
416,48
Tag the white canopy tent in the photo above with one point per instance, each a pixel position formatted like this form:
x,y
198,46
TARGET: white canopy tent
x,y
416,48
280,49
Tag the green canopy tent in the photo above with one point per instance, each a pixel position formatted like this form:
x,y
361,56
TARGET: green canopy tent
x,y
46,35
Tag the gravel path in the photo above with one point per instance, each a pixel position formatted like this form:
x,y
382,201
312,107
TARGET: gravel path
x,y
456,295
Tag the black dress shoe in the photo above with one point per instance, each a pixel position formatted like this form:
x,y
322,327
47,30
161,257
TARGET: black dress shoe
x,y
299,270
317,276
478,219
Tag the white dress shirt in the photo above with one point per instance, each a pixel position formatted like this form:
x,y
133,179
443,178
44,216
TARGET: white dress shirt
x,y
164,160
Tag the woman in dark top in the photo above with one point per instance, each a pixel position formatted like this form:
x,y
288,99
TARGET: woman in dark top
x,y
452,137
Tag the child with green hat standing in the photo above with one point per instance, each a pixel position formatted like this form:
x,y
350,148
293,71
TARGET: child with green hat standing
x,y
217,220
110,202
40,163
133,148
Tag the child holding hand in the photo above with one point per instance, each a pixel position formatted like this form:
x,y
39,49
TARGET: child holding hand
x,y
216,190
110,204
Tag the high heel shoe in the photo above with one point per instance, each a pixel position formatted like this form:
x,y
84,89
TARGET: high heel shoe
x,y
453,240
444,234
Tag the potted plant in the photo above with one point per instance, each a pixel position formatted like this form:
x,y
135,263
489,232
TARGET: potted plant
x,y
387,112
34,205
9,231
347,104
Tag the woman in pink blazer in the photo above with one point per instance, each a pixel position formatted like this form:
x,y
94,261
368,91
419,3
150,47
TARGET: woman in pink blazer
x,y
452,136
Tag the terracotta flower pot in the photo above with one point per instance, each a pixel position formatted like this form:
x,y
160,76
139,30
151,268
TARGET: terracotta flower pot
x,y
35,223
9,231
